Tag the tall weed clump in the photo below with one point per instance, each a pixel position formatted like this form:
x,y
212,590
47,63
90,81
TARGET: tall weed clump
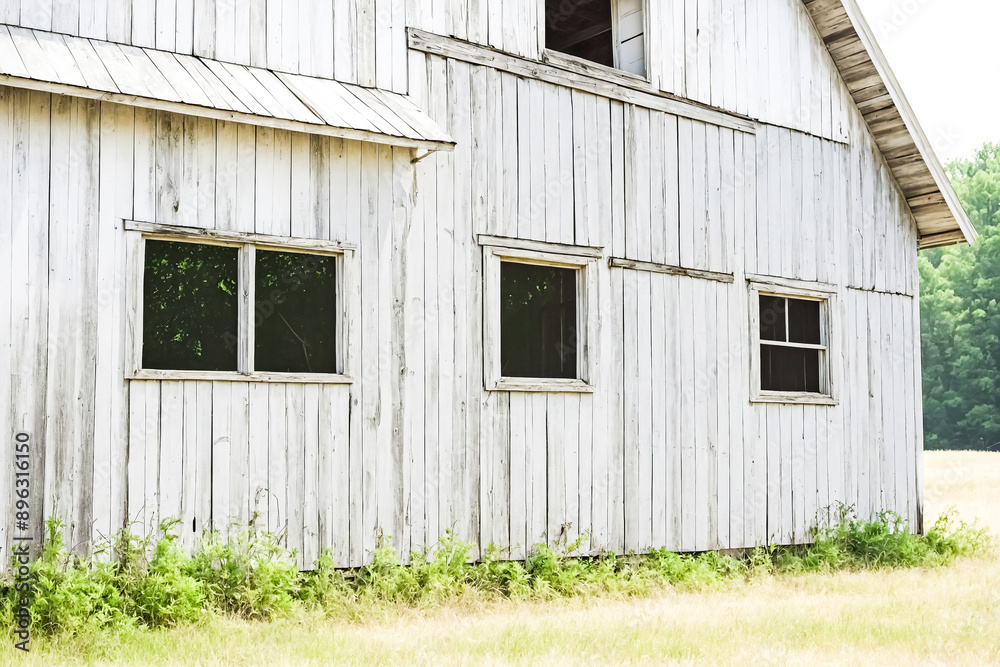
x,y
856,544
250,575
73,596
163,591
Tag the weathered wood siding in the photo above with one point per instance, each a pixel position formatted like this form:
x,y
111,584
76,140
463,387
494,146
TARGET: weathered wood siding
x,y
668,449
206,453
760,58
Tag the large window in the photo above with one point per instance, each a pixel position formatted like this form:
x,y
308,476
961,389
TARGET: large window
x,y
537,299
791,337
236,305
606,32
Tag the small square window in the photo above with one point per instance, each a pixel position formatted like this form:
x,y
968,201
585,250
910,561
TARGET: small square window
x,y
790,348
537,300
538,337
791,341
190,308
295,312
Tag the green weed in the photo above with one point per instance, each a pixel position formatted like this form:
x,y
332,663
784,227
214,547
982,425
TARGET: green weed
x,y
157,584
249,575
856,544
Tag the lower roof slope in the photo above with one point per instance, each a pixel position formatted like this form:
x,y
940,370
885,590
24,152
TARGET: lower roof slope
x,y
935,206
197,86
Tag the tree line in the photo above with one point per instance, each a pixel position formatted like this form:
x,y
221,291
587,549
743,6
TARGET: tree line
x,y
960,318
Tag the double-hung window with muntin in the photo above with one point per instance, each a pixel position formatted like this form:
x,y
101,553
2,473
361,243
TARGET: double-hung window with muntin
x,y
791,336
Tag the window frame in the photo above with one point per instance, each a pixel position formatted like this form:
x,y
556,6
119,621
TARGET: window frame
x,y
137,233
593,68
584,260
829,369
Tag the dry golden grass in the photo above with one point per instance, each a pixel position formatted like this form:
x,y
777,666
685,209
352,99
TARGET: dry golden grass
x,y
946,616
969,481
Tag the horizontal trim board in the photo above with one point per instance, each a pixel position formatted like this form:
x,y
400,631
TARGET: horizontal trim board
x,y
201,234
610,74
653,267
794,399
226,376
844,140
861,290
623,89
794,346
764,283
542,385
539,246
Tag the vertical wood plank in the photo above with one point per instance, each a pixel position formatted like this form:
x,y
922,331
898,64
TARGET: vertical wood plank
x,y
518,479
632,414
312,492
221,432
617,415
188,528
258,463
674,401
660,410
137,456
239,452
171,463
277,463
722,407
7,498
642,399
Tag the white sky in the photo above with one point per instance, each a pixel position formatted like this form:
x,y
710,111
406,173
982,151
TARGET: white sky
x,y
944,54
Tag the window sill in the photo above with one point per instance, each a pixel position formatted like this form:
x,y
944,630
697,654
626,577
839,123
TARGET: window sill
x,y
794,398
226,376
596,70
543,385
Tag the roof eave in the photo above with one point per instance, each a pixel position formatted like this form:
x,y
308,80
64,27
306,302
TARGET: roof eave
x,y
962,228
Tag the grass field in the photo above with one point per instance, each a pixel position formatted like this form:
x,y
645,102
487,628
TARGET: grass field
x,y
932,617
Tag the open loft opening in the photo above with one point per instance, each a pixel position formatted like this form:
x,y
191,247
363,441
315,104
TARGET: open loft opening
x,y
606,32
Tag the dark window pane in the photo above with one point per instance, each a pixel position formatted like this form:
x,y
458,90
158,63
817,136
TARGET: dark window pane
x,y
537,321
190,308
789,369
803,321
772,318
581,28
295,314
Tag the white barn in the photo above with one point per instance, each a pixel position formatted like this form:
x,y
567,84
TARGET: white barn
x,y
641,270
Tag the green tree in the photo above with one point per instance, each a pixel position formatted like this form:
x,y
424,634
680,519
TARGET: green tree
x,y
960,317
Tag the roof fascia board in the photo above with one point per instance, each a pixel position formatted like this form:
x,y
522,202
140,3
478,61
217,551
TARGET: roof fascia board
x,y
909,119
